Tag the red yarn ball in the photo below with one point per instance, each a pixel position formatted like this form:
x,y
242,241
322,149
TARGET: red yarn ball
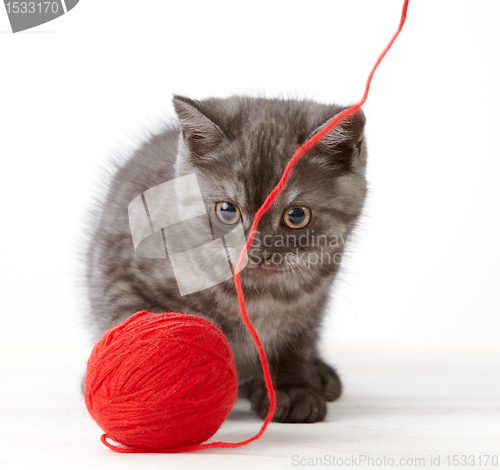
x,y
161,381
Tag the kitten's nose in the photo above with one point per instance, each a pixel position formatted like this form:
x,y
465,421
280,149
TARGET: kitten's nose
x,y
256,256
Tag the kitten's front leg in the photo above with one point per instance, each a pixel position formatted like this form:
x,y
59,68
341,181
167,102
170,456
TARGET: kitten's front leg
x,y
328,380
303,386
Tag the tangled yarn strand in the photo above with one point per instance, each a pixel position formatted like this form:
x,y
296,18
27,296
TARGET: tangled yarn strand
x,y
307,146
301,151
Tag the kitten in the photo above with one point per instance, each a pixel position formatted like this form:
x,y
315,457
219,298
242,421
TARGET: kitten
x,y
238,147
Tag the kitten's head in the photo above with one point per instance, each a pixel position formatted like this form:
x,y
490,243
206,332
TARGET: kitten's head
x,y
239,147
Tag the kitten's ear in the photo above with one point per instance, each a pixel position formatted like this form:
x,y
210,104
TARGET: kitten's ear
x,y
200,133
344,142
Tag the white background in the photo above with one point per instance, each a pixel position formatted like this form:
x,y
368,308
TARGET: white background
x,y
423,266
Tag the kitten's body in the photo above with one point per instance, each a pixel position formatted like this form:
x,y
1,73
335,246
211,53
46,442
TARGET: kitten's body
x,y
239,147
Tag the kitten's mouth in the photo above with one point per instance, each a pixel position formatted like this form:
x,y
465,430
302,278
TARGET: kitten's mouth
x,y
265,267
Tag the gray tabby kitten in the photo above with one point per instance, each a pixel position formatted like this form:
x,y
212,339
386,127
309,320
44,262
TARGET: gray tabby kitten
x,y
239,146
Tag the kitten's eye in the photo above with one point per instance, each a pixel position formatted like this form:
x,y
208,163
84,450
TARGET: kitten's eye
x,y
297,217
227,213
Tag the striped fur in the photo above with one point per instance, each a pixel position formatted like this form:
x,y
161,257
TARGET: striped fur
x,y
239,147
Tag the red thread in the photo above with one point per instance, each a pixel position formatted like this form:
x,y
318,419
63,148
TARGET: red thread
x,y
195,431
308,145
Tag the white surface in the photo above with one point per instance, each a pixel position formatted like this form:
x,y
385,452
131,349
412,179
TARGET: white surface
x,y
399,402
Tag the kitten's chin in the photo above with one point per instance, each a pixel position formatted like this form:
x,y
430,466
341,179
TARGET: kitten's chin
x,y
260,281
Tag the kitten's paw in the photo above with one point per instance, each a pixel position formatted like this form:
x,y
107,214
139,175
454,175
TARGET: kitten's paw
x,y
299,405
329,381
296,404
